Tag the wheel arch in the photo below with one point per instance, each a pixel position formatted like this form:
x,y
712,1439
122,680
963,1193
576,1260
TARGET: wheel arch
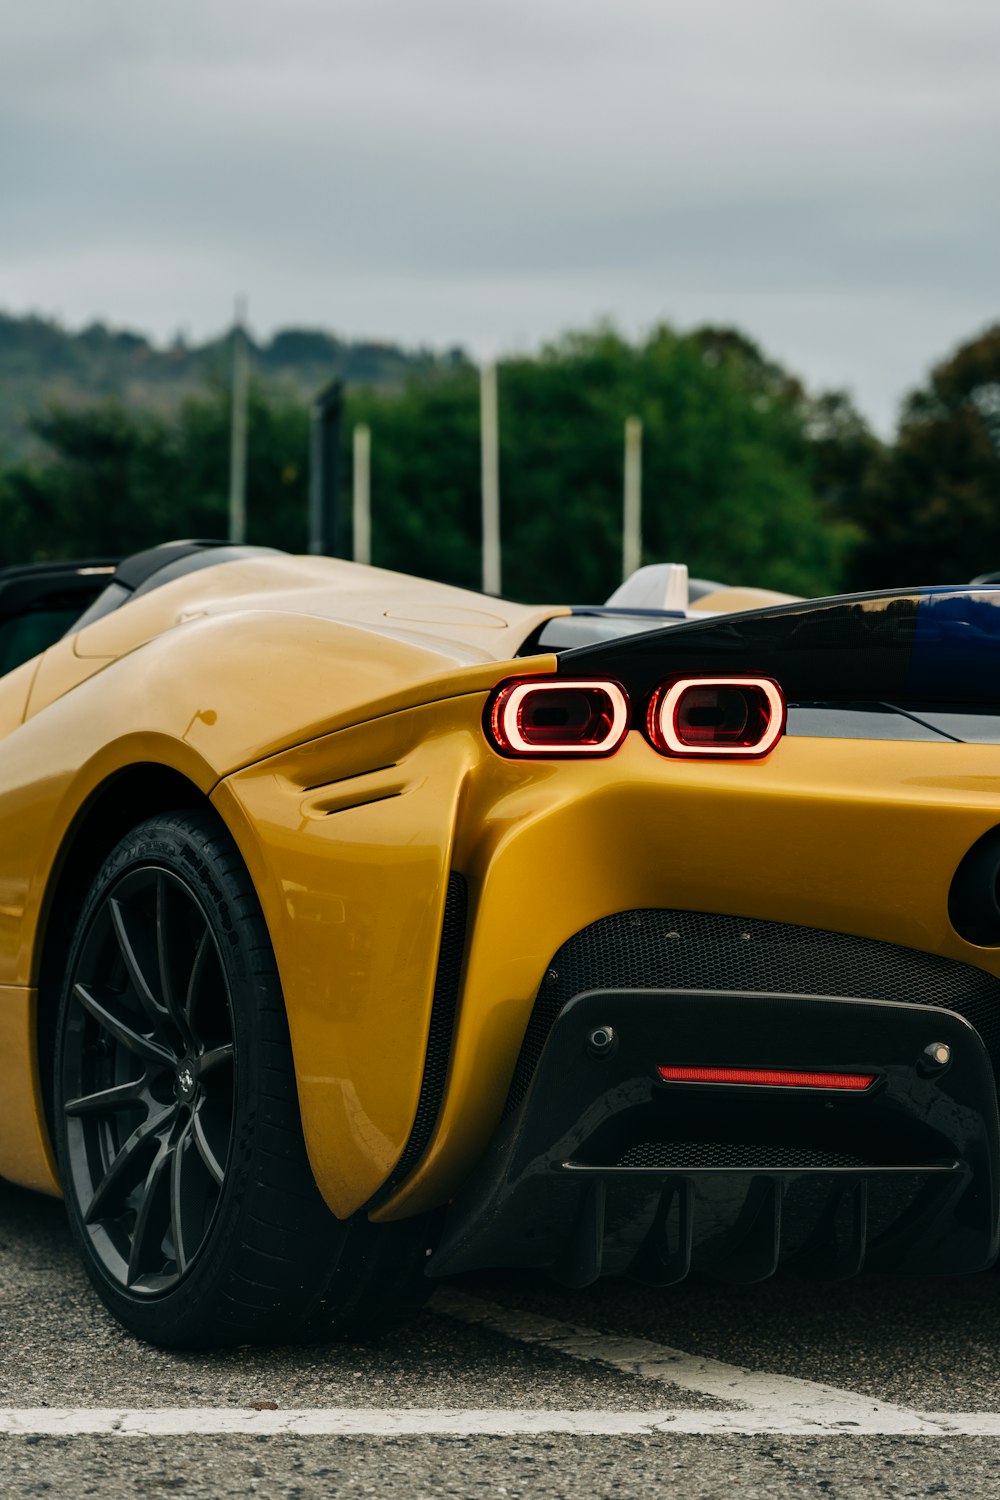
x,y
125,799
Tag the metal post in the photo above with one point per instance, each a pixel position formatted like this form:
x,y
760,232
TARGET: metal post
x,y
490,441
632,507
362,494
326,524
238,430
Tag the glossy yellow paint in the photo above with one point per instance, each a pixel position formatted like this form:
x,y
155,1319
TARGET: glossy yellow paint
x,y
25,1153
213,672
461,627
15,689
859,836
351,840
225,692
731,601
333,716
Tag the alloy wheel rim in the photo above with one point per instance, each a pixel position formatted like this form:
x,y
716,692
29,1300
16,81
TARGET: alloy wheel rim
x,y
148,1080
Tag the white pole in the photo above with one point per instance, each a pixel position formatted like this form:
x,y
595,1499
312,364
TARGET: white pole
x,y
632,508
362,494
490,440
316,538
238,430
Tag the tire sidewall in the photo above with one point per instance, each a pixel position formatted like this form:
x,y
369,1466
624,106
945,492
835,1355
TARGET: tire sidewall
x,y
183,1313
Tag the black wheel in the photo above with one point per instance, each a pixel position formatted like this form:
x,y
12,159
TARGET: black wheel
x,y
176,1113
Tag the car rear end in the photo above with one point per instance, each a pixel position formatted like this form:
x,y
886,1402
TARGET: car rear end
x,y
719,990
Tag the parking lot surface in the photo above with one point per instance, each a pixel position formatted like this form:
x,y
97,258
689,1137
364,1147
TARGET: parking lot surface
x,y
508,1385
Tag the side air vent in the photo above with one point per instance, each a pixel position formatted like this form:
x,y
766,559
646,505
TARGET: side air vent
x,y
449,973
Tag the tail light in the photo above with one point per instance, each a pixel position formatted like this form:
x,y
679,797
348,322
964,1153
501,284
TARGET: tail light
x,y
556,718
724,716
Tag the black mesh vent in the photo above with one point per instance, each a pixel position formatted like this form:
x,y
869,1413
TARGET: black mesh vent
x,y
449,973
691,950
691,1154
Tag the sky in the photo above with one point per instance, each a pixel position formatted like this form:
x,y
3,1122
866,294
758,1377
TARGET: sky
x,y
822,173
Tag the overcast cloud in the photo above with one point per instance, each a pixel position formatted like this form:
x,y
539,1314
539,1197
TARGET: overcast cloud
x,y
822,172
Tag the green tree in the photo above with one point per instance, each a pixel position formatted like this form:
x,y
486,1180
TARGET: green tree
x,y
425,475
930,510
729,467
745,475
110,480
97,490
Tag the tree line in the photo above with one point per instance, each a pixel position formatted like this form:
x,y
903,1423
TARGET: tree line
x,y
38,357
747,477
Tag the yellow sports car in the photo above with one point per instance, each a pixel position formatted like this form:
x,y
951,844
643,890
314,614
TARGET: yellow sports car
x,y
356,930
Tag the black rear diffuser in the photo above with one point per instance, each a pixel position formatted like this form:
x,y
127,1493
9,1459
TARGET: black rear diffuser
x,y
606,1169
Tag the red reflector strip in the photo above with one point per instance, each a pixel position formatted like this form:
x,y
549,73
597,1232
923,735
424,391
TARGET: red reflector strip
x,y
770,1077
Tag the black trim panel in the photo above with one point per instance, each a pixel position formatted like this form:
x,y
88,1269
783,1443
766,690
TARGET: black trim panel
x,y
659,949
442,1026
936,646
734,1181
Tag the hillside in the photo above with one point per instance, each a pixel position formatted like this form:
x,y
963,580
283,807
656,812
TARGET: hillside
x,y
41,362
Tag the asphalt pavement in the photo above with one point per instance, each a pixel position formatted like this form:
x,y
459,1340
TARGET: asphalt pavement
x,y
506,1352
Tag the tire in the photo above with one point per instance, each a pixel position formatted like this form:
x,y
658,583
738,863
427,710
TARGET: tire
x,y
176,1116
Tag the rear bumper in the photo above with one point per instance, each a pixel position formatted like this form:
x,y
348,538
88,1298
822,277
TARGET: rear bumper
x,y
605,1168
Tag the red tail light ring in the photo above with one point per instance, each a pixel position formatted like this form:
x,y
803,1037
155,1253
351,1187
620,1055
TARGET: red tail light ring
x,y
720,716
557,717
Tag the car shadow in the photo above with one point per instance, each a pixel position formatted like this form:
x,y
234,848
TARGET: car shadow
x,y
931,1343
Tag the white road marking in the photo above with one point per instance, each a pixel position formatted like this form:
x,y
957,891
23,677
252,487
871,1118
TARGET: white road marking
x,y
385,1422
760,1404
768,1403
